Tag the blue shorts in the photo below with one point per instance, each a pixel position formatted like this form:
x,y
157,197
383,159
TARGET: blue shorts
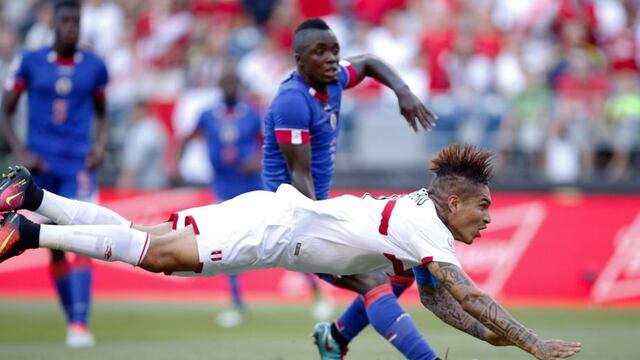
x,y
82,186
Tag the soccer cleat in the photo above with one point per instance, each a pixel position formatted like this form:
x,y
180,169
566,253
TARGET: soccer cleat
x,y
15,187
329,348
79,336
11,243
322,310
231,318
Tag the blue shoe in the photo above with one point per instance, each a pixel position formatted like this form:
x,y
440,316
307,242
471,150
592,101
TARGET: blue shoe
x,y
329,348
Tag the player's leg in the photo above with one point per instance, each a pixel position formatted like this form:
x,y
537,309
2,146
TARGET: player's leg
x,y
322,308
18,190
172,252
377,304
81,186
236,315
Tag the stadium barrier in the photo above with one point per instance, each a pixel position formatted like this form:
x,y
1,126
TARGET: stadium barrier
x,y
539,249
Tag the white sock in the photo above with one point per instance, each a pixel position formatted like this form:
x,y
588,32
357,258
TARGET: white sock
x,y
63,211
102,242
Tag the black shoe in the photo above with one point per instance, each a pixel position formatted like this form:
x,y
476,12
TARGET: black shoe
x,y
11,243
19,191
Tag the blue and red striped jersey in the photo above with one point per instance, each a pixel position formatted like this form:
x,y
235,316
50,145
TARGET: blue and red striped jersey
x,y
298,115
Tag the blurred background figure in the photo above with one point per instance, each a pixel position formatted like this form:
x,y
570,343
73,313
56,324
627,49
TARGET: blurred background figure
x,y
233,132
142,158
64,145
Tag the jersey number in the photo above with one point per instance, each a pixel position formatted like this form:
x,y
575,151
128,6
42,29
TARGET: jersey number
x,y
383,229
60,111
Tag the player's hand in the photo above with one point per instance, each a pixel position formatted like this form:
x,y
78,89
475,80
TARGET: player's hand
x,y
31,161
414,110
555,349
95,157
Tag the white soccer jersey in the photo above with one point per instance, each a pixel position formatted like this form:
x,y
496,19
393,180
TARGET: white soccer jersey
x,y
342,236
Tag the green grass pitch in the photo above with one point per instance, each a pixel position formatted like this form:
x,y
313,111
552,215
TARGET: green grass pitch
x,y
135,330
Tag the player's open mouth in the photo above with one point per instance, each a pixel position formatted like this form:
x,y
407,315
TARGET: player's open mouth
x,y
331,73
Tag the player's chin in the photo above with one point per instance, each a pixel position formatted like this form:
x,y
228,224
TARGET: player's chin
x,y
330,78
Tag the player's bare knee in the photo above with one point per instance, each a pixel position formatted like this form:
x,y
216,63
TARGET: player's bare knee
x,y
157,260
373,280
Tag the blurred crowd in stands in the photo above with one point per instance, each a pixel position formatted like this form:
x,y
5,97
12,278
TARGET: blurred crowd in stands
x,y
549,85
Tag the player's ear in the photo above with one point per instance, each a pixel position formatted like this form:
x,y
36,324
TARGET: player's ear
x,y
297,57
453,201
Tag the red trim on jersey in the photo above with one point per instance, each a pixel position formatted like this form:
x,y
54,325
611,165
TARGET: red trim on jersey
x,y
144,249
19,85
100,94
397,264
426,260
386,214
376,293
198,269
189,220
339,325
404,281
353,76
173,218
292,136
322,96
65,60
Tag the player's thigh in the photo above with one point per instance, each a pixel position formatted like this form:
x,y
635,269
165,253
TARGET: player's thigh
x,y
360,283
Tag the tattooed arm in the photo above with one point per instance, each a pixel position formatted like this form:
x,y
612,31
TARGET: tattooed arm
x,y
438,300
486,310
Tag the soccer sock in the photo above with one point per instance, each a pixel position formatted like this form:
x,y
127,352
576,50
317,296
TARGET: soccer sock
x,y
313,284
63,211
390,321
102,242
236,296
59,271
354,319
80,279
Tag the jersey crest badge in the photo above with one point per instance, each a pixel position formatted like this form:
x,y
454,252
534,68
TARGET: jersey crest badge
x,y
333,120
63,86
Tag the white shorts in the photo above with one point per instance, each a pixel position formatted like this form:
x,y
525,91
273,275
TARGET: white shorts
x,y
248,232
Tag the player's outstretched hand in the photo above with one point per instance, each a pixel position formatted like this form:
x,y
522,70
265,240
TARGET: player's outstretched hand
x,y
556,349
95,157
414,111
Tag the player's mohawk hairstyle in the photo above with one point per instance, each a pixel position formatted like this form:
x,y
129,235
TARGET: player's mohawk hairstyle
x,y
465,161
313,23
300,35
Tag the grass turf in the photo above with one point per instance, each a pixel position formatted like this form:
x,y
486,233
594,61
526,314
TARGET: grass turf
x,y
125,330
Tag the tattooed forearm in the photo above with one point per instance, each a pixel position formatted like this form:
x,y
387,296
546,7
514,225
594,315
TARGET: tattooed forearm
x,y
483,308
499,320
444,306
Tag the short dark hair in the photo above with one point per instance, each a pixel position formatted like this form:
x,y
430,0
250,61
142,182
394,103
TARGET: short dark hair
x,y
458,170
63,4
299,35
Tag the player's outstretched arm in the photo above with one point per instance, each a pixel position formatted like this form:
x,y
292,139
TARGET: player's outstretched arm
x,y
7,110
416,113
438,300
485,309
